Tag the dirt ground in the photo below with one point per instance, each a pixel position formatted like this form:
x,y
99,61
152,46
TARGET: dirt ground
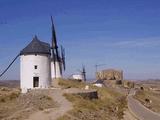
x,y
53,113
51,104
14,105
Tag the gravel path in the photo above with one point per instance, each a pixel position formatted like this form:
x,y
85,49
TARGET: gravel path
x,y
52,114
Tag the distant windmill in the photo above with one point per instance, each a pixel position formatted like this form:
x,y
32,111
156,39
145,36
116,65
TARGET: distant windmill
x,y
83,72
57,60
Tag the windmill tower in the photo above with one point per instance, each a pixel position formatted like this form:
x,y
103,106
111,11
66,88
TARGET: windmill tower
x,y
35,69
39,62
57,61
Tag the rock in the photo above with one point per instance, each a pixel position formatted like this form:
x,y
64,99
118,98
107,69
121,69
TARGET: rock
x,y
86,87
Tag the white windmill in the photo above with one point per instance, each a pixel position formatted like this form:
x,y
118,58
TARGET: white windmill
x,y
35,70
39,63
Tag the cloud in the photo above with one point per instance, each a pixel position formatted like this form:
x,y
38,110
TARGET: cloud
x,y
143,43
98,44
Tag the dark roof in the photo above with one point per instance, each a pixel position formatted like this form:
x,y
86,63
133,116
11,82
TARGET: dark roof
x,y
36,47
99,81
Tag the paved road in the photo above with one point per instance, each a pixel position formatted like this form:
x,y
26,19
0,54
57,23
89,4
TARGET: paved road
x,y
139,110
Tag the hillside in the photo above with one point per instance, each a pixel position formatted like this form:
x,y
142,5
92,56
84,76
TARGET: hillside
x,y
110,105
9,83
63,103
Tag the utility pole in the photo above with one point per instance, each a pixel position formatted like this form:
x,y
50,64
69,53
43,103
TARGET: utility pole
x,y
98,65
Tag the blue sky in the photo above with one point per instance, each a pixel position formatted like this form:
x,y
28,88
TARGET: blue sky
x,y
122,34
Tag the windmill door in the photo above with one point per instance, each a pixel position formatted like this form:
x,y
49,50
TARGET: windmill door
x,y
35,81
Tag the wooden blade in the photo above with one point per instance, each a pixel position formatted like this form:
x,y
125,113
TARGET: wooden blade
x,y
63,57
54,40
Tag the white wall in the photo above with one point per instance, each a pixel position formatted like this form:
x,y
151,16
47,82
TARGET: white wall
x,y
77,77
58,73
27,71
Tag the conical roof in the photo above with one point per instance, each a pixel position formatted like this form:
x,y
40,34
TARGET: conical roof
x,y
36,47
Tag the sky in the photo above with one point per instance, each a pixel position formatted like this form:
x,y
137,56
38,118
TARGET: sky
x,y
120,34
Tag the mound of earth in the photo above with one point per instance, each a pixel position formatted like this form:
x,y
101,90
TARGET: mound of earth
x,y
19,106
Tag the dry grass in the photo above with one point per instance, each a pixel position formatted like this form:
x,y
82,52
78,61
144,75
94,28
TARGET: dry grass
x,y
110,105
154,98
14,105
71,84
8,94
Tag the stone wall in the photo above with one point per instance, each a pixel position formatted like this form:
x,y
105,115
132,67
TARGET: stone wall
x,y
128,84
110,74
89,95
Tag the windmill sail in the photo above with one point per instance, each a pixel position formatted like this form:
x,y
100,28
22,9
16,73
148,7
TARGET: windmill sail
x,y
54,42
53,46
55,52
60,67
63,57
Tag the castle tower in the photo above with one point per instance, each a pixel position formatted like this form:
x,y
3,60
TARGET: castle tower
x,y
35,66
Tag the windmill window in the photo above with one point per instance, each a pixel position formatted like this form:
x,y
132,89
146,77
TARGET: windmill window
x,y
35,67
